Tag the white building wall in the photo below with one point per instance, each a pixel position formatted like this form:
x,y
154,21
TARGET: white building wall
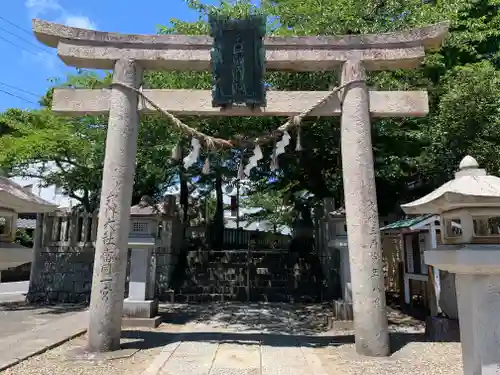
x,y
51,193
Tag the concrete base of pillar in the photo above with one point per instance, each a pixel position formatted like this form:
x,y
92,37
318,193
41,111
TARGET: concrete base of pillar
x,y
440,329
142,322
342,310
140,313
139,309
339,325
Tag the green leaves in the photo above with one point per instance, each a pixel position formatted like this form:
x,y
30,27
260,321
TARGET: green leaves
x,y
467,120
462,79
274,209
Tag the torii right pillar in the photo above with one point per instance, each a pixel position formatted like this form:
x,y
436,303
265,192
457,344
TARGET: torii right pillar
x,y
363,227
363,234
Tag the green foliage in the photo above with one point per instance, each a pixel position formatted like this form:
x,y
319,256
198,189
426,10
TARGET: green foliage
x,y
24,238
412,156
467,120
64,152
274,209
69,152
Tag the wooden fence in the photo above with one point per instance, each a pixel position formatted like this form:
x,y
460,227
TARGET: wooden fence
x,y
243,239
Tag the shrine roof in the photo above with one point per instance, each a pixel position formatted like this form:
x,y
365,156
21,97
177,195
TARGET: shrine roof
x,y
409,223
147,207
14,197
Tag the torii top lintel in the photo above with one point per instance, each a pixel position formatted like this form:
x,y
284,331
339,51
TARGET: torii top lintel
x,y
85,48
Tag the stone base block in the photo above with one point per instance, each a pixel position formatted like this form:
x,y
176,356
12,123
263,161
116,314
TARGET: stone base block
x,y
81,354
141,322
442,329
139,309
339,325
342,310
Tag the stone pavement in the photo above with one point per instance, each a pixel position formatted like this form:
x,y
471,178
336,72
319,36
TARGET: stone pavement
x,y
275,339
13,288
218,353
237,339
28,330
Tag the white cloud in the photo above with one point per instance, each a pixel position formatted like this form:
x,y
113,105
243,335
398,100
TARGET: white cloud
x,y
82,22
42,7
46,59
54,11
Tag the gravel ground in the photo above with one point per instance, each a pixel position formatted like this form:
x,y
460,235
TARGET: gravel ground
x,y
62,361
411,353
422,358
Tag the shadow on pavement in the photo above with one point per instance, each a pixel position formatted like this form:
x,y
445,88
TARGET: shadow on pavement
x,y
152,339
271,324
13,306
271,317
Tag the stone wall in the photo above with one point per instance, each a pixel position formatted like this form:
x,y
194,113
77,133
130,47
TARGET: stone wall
x,y
64,275
276,275
167,258
62,270
63,266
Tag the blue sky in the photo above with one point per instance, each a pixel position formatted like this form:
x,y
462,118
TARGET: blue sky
x,y
26,66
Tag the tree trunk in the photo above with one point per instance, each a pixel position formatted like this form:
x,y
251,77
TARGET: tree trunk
x,y
218,222
184,195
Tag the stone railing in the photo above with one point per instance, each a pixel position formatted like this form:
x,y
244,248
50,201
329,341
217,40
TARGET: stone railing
x,y
64,257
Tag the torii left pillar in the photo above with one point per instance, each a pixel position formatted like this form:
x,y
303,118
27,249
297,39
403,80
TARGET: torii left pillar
x,y
110,264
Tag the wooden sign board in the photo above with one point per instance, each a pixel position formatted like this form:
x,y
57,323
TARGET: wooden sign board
x,y
238,61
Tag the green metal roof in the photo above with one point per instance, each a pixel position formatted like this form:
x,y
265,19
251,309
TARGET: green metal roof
x,y
406,223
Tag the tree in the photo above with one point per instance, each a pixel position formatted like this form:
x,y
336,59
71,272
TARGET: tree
x,y
412,156
273,209
61,152
69,152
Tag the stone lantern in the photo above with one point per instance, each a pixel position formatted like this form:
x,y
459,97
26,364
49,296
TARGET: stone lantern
x,y
147,227
469,206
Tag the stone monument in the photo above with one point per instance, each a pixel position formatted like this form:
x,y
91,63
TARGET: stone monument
x,y
129,55
469,206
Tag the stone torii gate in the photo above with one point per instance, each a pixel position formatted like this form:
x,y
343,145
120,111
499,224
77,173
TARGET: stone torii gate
x,y
129,55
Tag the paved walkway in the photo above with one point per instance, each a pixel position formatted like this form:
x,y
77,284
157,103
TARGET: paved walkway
x,y
239,339
17,316
13,288
27,330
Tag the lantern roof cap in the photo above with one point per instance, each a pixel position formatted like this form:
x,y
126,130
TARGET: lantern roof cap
x,y
471,187
468,163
